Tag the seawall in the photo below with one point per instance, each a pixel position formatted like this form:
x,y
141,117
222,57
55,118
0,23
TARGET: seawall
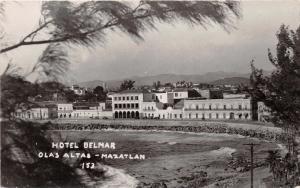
x,y
244,129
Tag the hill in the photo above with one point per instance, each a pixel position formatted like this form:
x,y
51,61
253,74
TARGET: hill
x,y
211,77
232,81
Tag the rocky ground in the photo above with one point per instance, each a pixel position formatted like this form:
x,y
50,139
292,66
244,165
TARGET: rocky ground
x,y
184,159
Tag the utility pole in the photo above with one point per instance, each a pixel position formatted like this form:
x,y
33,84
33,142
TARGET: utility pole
x,y
252,155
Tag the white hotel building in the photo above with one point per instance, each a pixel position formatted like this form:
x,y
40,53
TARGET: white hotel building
x,y
128,103
138,104
218,109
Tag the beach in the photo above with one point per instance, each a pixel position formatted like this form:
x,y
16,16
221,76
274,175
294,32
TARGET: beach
x,y
178,159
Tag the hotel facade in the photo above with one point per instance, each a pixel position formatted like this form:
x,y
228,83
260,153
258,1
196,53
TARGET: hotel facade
x,y
218,109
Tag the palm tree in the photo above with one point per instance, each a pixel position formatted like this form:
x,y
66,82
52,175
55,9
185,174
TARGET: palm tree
x,y
272,160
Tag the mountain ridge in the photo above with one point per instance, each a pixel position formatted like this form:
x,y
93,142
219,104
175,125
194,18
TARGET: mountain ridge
x,y
210,77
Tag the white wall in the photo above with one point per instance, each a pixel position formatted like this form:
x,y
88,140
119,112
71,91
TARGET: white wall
x,y
162,97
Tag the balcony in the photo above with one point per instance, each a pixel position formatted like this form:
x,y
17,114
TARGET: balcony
x,y
227,109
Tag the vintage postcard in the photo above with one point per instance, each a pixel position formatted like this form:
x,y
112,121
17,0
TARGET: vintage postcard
x,y
150,94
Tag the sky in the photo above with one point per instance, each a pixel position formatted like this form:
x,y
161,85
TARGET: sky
x,y
176,48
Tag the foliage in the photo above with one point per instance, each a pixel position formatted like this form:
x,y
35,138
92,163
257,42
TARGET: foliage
x,y
127,84
52,64
84,23
100,93
285,170
14,94
280,91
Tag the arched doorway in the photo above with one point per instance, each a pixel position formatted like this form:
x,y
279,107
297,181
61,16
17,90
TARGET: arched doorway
x,y
116,115
240,116
231,115
132,115
137,115
120,115
128,115
124,114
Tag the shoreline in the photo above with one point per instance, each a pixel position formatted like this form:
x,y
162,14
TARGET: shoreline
x,y
243,129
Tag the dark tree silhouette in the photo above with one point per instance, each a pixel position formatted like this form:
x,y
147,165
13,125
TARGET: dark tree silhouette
x,y
14,94
85,23
127,84
100,93
281,93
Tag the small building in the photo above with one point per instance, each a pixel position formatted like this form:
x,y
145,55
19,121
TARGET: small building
x,y
64,110
36,113
180,93
78,90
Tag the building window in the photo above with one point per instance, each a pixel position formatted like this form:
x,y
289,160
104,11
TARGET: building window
x,y
127,98
131,98
224,106
231,106
128,105
115,98
119,98
209,107
124,105
120,105
217,116
240,106
175,116
180,115
197,107
209,115
190,116
123,98
151,107
136,105
116,105
136,97
132,105
176,94
197,116
224,115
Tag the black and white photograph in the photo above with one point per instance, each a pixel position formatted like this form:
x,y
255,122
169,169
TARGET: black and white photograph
x,y
150,94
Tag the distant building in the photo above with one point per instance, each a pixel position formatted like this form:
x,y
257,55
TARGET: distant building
x,y
263,112
218,109
83,110
37,112
154,110
180,93
205,93
234,96
64,110
78,90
